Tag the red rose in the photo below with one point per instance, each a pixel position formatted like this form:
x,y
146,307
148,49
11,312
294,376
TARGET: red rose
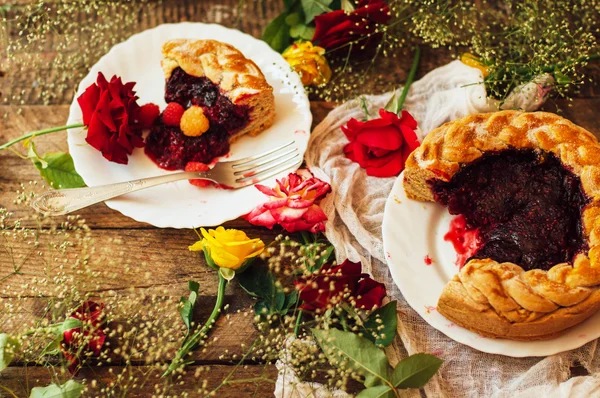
x,y
342,283
381,146
293,204
89,338
336,28
111,114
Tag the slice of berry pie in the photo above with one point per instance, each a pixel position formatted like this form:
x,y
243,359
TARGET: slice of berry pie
x,y
528,188
214,95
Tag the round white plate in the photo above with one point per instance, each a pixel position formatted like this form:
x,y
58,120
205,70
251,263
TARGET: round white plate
x,y
180,204
413,230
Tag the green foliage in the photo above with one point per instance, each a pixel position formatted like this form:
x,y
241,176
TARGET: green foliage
x,y
382,391
260,283
415,371
187,308
312,8
357,353
349,351
56,168
8,346
382,323
58,329
277,33
71,389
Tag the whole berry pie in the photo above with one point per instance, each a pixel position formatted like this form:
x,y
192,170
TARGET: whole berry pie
x,y
527,186
214,95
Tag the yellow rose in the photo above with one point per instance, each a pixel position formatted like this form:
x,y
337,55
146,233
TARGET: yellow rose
x,y
474,62
228,248
309,62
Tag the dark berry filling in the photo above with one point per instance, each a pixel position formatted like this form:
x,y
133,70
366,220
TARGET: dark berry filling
x,y
170,149
527,207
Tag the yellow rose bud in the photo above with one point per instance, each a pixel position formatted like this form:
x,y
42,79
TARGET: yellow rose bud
x,y
228,248
309,62
474,62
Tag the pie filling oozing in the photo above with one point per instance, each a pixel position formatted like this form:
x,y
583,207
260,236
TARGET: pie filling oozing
x,y
170,149
525,205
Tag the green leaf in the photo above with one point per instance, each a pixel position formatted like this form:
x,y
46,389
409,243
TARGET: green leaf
x,y
302,32
257,282
357,352
385,316
290,301
324,258
8,346
415,371
186,311
58,170
376,392
347,5
312,8
561,78
70,323
293,19
277,33
53,347
260,283
71,389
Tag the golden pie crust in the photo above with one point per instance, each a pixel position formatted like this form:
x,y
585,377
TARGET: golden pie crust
x,y
502,299
240,79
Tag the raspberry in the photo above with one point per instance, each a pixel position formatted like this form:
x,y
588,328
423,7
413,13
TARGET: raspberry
x,y
197,166
148,114
172,114
193,122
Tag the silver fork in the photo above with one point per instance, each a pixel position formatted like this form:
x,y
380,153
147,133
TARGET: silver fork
x,y
234,174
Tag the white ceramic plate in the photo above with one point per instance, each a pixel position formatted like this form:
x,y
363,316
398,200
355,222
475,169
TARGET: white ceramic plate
x,y
180,204
413,230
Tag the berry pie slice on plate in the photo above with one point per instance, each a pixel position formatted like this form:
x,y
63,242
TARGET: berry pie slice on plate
x,y
223,95
528,187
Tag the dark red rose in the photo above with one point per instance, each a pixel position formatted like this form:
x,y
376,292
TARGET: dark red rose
x,y
336,28
342,283
381,146
87,339
111,114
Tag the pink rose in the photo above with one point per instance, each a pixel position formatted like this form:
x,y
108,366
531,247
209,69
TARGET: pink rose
x,y
293,204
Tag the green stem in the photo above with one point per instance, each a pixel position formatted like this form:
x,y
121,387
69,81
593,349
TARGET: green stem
x,y
191,343
298,322
409,80
39,132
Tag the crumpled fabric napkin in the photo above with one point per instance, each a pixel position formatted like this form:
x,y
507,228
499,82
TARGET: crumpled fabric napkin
x,y
355,212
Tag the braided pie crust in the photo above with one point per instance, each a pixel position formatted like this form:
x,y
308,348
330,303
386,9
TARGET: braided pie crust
x,y
240,79
502,299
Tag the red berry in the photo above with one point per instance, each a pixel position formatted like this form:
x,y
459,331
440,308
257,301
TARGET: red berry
x,y
148,114
197,166
172,114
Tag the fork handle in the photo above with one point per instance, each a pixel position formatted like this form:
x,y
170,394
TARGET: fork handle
x,y
63,201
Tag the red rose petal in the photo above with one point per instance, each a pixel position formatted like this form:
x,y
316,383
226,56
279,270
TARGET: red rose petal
x,y
392,167
387,137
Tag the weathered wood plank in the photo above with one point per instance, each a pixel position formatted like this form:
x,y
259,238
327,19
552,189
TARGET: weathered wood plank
x,y
246,381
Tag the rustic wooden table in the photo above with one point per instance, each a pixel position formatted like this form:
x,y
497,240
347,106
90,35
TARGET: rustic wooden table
x,y
164,251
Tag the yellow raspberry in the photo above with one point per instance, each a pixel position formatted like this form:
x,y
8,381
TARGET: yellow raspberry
x,y
193,122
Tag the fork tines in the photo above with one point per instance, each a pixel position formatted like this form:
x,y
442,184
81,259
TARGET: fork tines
x,y
257,168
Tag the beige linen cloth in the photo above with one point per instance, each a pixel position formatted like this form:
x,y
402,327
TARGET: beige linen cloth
x,y
355,211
